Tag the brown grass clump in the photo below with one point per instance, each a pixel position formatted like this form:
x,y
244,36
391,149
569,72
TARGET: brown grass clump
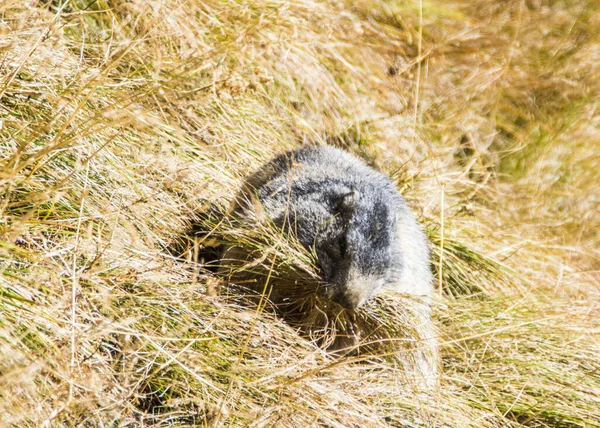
x,y
120,121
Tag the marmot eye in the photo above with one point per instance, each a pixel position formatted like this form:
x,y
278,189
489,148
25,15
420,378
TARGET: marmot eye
x,y
343,244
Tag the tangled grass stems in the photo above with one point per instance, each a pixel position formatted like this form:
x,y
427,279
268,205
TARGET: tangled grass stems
x,y
150,112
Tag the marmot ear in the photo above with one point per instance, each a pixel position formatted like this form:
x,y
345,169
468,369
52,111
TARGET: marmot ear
x,y
348,201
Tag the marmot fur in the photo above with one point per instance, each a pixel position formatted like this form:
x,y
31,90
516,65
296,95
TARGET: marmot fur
x,y
363,233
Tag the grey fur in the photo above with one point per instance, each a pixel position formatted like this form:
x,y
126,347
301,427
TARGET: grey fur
x,y
364,235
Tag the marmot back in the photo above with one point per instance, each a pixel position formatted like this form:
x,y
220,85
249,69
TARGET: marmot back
x,y
353,218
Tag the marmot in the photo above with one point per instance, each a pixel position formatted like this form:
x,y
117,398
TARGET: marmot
x,y
364,238
352,217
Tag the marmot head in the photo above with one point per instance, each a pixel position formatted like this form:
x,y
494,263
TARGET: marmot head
x,y
351,232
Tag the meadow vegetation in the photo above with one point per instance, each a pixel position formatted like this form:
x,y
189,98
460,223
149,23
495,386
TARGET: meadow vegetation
x,y
121,120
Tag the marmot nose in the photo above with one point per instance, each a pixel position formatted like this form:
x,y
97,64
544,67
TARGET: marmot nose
x,y
350,300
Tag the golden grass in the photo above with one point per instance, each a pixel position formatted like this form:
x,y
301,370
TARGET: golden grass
x,y
120,121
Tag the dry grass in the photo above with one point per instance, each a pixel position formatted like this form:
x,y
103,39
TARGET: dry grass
x,y
121,120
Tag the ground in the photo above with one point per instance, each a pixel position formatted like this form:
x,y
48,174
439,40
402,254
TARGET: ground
x,y
121,121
